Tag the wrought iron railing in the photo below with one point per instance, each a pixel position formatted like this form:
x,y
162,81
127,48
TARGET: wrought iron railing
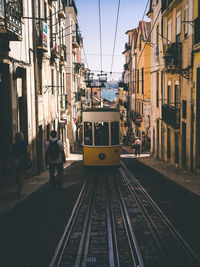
x,y
127,46
173,55
197,30
11,14
63,53
126,66
165,4
171,116
72,4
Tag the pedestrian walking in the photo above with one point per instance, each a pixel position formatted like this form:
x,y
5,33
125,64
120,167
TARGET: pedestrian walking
x,y
137,146
55,157
20,157
132,141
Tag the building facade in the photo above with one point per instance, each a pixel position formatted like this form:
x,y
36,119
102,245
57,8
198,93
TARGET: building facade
x,y
38,46
177,108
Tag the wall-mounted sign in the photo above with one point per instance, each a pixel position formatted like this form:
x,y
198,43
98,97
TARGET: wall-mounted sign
x,y
44,33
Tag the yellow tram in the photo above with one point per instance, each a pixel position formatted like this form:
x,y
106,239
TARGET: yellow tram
x,y
101,137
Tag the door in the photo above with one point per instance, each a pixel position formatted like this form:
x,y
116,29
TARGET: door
x,y
198,120
183,144
6,123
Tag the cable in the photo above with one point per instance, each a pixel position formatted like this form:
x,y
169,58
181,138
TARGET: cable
x,y
145,10
115,37
100,33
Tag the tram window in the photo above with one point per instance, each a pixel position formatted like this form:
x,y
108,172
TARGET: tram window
x,y
87,133
101,134
114,133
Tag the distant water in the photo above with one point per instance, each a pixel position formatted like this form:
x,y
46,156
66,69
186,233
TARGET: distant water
x,y
109,94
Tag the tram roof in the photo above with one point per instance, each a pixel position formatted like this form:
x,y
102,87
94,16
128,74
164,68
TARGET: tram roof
x,y
100,110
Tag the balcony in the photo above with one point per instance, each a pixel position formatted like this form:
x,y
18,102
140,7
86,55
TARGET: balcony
x,y
10,20
63,102
171,116
42,42
77,67
61,11
197,30
71,3
75,41
63,54
55,50
127,46
126,66
173,57
169,3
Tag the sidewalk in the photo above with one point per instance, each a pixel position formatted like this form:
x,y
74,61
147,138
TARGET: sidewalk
x,y
188,180
8,199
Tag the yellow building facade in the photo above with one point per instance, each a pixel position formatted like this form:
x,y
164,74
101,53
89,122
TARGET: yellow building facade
x,y
177,137
143,80
196,85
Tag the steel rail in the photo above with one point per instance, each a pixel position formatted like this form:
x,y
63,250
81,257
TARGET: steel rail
x,y
65,237
112,238
81,258
171,228
134,248
152,226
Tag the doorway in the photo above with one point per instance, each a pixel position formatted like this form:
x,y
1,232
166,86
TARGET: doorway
x,y
6,123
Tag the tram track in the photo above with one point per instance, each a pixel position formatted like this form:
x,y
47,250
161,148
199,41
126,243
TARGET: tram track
x,y
116,223
174,251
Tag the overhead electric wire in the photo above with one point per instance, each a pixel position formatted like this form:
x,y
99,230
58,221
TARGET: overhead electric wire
x,y
100,34
115,37
145,10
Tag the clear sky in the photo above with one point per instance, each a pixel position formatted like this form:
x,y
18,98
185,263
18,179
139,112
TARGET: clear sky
x,y
130,13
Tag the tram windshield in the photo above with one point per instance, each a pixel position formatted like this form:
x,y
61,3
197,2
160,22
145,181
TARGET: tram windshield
x,y
87,133
114,133
101,133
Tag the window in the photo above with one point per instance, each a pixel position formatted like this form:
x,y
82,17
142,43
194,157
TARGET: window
x,y
140,42
51,29
177,95
178,26
168,143
198,8
101,134
186,18
45,11
87,133
138,76
157,89
40,79
184,113
157,40
52,81
115,133
169,31
1,9
142,80
169,93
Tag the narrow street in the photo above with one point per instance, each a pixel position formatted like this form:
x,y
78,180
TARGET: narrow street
x,y
40,219
100,133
